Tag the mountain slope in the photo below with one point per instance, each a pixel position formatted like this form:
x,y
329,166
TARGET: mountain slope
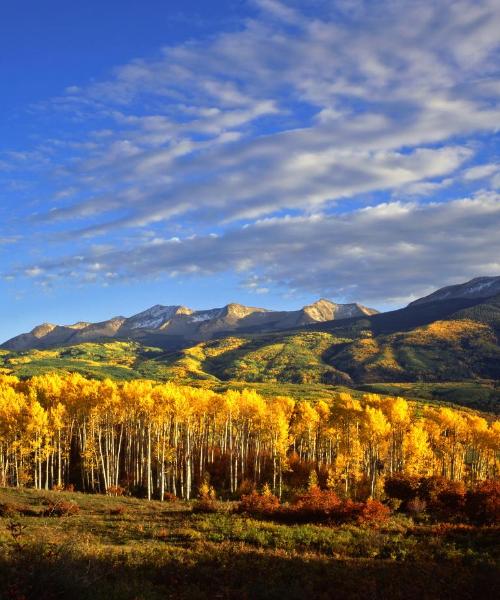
x,y
480,287
463,344
429,343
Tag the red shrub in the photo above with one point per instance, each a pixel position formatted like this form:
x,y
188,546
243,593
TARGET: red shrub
x,y
315,505
482,504
445,499
317,499
431,487
450,503
8,509
206,505
117,511
416,506
246,487
260,504
373,511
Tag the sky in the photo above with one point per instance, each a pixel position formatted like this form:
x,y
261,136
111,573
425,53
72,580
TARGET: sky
x,y
265,152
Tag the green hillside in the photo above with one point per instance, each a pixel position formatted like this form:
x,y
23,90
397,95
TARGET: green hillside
x,y
405,349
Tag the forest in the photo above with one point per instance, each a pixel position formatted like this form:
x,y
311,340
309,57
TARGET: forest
x,y
143,489
152,440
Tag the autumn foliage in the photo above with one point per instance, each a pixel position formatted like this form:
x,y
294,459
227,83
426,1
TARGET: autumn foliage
x,y
315,506
445,499
482,503
161,440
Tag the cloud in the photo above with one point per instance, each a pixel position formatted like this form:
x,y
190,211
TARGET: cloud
x,y
385,253
481,172
331,129
270,118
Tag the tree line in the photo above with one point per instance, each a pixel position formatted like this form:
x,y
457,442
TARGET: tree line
x,y
154,439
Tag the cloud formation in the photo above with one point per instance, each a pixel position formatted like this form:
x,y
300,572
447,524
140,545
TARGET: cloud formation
x,y
352,255
326,130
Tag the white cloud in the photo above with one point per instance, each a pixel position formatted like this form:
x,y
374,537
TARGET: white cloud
x,y
305,109
33,271
380,95
481,172
391,251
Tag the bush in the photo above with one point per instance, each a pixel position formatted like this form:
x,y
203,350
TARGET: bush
x,y
431,487
324,506
416,507
8,509
169,497
445,499
115,490
316,499
68,487
373,511
451,502
482,503
313,506
402,487
260,504
246,487
61,509
206,491
117,511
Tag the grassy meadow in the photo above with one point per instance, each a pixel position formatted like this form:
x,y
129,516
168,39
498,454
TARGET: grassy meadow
x,y
126,548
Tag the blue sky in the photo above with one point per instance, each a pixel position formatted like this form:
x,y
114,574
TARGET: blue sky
x,y
259,151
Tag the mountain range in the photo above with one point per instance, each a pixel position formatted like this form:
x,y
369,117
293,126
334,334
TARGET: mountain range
x,y
172,326
448,340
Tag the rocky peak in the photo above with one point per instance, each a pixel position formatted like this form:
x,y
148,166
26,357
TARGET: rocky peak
x,y
154,317
43,329
240,310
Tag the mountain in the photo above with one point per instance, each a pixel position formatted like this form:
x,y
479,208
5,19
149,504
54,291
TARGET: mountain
x,y
480,287
447,346
174,326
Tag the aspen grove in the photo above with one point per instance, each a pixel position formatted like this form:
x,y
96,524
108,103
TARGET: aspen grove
x,y
154,439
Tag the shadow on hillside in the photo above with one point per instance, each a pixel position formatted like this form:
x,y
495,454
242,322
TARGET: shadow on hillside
x,y
232,571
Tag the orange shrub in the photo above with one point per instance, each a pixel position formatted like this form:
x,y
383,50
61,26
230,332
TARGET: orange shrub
x,y
314,505
169,497
246,487
373,511
260,504
320,506
117,511
416,506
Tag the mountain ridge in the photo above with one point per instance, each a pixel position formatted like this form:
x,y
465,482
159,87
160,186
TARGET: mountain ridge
x,y
454,341
175,322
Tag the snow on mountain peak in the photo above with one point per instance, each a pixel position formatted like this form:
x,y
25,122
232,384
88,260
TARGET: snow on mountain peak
x,y
154,317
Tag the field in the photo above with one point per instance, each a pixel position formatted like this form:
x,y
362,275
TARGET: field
x,y
134,549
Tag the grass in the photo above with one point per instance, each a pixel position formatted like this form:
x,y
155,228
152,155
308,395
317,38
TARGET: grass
x,y
481,395
133,549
